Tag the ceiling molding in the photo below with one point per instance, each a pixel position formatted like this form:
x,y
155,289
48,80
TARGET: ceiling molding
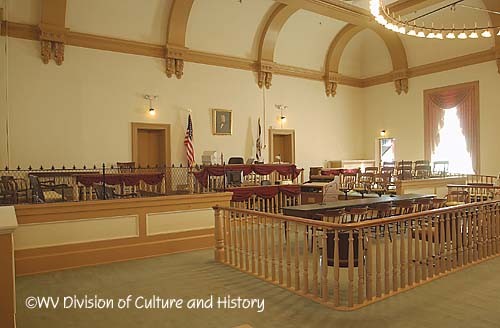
x,y
337,47
274,22
31,32
404,7
53,30
176,37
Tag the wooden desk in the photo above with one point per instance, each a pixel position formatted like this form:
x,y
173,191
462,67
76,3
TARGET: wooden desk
x,y
438,186
309,211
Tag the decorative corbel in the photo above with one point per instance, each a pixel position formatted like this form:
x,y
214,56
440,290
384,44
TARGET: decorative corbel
x,y
331,82
52,40
53,30
174,57
400,78
265,74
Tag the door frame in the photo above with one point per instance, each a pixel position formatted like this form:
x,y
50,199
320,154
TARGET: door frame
x,y
136,126
283,132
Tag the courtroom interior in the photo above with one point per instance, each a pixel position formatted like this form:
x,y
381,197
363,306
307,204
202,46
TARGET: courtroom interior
x,y
249,163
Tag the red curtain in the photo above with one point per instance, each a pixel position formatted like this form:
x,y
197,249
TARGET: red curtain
x,y
465,98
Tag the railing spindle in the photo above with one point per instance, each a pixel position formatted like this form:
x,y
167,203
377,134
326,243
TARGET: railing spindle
x,y
387,274
305,262
336,270
361,268
296,256
350,272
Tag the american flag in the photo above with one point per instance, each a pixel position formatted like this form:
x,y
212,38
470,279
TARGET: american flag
x,y
188,142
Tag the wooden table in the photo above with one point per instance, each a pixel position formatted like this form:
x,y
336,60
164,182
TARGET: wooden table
x,y
309,211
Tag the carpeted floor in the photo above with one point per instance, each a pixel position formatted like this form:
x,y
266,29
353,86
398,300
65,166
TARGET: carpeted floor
x,y
469,298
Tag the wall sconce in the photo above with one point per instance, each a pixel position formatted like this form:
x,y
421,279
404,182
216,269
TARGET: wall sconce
x,y
152,110
281,108
383,133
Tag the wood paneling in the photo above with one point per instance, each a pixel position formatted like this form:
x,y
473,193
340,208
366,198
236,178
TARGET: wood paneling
x,y
59,257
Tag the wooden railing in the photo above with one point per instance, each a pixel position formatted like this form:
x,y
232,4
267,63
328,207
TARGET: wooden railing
x,y
351,265
481,179
268,205
473,193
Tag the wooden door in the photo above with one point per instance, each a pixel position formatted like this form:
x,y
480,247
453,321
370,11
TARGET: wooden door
x,y
151,147
151,144
282,144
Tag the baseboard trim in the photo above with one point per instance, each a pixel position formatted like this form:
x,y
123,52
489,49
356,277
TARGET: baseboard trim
x,y
49,260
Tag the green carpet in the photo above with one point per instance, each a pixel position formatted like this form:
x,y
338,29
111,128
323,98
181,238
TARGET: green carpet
x,y
464,299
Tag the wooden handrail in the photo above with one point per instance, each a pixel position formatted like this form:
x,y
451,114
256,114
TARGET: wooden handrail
x,y
362,224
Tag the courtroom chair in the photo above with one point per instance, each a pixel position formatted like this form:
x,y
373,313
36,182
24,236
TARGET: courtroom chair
x,y
233,178
439,203
106,192
403,207
457,197
347,182
371,169
381,183
236,160
125,167
265,183
333,216
7,192
389,164
404,170
423,204
440,168
53,191
17,188
380,211
364,183
356,214
422,171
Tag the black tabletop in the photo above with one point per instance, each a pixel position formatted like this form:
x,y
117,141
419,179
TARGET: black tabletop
x,y
309,210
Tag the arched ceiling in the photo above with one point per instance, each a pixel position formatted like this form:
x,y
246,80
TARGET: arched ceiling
x,y
233,28
227,27
305,38
358,59
123,19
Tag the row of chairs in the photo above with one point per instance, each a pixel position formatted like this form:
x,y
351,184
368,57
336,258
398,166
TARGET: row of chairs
x,y
381,210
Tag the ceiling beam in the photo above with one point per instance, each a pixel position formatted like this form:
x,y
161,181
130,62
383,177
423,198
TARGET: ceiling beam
x,y
334,9
274,22
404,7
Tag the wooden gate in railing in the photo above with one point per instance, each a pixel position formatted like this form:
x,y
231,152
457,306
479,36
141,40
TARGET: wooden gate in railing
x,y
351,265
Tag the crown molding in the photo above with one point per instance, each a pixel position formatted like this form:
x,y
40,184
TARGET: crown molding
x,y
31,32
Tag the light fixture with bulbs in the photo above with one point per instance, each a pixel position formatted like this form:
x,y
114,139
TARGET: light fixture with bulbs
x,y
390,21
383,133
151,110
281,108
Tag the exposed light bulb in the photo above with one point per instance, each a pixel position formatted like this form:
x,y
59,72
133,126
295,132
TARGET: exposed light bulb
x,y
402,30
498,34
486,34
152,111
462,36
473,35
421,34
412,32
450,35
439,36
389,26
431,35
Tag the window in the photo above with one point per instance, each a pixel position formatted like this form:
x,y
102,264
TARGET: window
x,y
452,146
451,126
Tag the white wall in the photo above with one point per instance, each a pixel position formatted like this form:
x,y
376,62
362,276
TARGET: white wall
x,y
80,112
403,116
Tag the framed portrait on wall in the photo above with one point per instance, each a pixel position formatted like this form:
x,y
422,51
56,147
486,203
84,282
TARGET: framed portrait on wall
x,y
222,121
